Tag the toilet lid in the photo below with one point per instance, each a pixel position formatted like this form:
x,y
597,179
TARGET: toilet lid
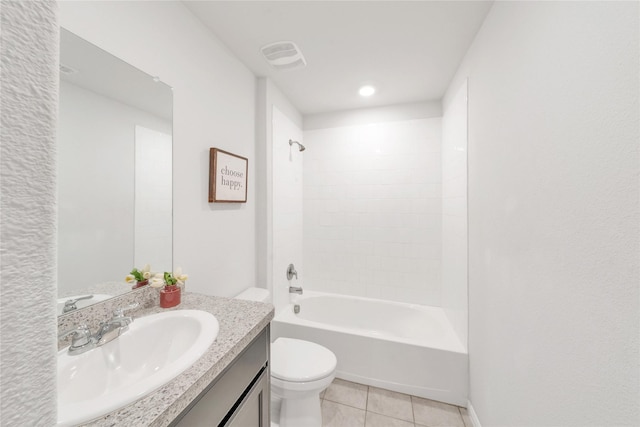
x,y
300,361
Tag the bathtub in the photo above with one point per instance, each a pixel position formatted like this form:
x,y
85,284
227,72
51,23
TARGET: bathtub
x,y
401,347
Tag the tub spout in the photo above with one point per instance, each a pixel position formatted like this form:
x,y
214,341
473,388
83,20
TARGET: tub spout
x,y
295,290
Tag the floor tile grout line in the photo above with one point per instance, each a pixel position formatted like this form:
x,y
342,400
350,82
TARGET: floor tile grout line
x,y
413,411
344,404
367,411
464,423
412,399
391,416
366,405
366,400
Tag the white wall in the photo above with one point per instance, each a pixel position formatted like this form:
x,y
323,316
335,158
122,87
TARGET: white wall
x,y
454,213
288,164
214,106
95,154
554,214
365,116
372,210
29,97
153,212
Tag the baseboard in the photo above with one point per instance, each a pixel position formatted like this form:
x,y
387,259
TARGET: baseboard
x,y
472,415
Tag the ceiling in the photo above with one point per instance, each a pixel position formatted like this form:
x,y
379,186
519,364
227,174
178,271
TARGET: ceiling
x,y
98,71
408,50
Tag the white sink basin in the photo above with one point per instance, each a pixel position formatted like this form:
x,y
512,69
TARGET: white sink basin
x,y
151,353
83,302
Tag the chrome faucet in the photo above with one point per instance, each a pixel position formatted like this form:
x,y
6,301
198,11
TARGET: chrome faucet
x,y
114,327
291,272
70,305
82,340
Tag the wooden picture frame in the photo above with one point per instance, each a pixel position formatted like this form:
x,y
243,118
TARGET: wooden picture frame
x,y
227,177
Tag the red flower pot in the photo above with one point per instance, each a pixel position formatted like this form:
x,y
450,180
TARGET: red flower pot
x,y
170,296
145,282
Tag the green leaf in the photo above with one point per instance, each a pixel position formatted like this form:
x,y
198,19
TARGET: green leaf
x,y
135,273
169,279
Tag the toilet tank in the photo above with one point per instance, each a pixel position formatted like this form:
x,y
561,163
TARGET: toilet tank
x,y
255,294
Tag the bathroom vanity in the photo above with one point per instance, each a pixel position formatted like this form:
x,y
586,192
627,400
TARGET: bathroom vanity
x,y
228,385
239,397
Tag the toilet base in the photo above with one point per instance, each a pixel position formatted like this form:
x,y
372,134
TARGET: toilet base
x,y
302,412
275,410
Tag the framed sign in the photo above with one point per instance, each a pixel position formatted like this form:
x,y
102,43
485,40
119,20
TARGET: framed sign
x,y
227,177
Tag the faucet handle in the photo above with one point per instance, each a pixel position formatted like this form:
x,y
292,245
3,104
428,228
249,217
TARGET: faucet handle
x,y
291,271
81,335
70,304
119,312
75,300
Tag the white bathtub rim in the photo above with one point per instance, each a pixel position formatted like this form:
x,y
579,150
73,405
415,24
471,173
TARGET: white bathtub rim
x,y
310,293
452,342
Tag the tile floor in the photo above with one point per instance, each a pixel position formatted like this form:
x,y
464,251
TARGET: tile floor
x,y
347,404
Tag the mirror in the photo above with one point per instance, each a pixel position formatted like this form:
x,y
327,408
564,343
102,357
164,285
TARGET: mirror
x,y
114,173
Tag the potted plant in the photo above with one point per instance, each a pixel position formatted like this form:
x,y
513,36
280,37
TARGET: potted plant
x,y
141,277
169,282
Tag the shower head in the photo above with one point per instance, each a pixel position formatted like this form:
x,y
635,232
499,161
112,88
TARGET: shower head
x,y
301,147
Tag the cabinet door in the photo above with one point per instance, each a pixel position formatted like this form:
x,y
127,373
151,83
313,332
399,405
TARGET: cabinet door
x,y
223,398
254,409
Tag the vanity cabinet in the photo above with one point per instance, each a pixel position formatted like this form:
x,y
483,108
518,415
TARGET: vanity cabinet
x,y
254,408
239,397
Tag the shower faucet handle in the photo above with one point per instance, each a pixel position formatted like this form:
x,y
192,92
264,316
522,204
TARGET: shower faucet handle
x,y
291,271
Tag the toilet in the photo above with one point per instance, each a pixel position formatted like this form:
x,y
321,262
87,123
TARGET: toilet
x,y
300,370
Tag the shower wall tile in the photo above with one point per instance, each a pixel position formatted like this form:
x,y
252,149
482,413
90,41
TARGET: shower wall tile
x,y
373,210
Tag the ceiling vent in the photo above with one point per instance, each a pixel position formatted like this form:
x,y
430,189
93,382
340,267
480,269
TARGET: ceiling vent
x,y
283,55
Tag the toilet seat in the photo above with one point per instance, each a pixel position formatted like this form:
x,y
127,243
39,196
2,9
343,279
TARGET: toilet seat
x,y
295,360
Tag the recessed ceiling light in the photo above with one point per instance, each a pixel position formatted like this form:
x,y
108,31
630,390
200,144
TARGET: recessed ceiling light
x,y
367,90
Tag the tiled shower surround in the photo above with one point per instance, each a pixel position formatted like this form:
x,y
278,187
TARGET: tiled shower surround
x,y
373,210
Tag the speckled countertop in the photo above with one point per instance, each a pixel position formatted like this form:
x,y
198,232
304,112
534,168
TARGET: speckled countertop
x,y
240,322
